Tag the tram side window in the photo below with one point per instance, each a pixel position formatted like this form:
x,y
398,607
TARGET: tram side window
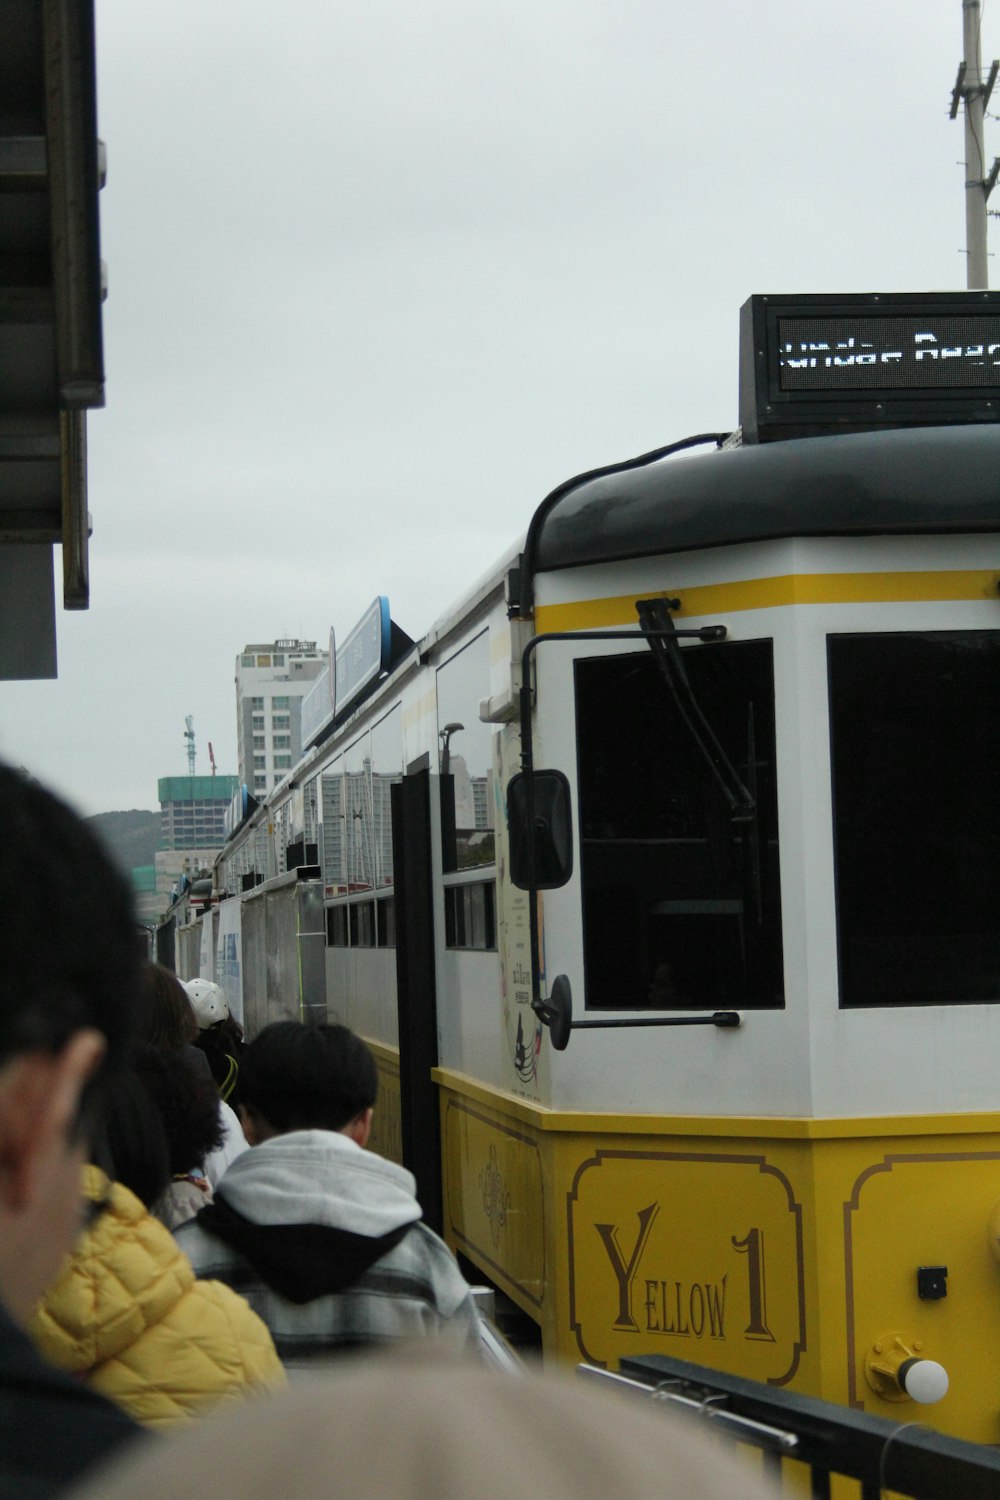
x,y
469,916
362,924
385,915
362,921
681,902
915,741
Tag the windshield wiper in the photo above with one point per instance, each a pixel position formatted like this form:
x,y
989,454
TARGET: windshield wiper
x,y
657,625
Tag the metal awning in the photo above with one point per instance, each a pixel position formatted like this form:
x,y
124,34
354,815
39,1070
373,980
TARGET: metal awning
x,y
51,354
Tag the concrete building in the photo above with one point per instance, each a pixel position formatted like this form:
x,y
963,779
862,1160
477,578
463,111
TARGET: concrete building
x,y
271,680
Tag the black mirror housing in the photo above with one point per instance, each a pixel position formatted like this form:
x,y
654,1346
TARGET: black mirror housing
x,y
541,857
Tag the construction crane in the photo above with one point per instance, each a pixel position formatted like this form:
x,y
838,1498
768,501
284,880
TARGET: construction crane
x,y
189,736
211,757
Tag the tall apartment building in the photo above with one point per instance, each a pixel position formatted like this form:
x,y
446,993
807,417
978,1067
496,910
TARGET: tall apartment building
x,y
270,683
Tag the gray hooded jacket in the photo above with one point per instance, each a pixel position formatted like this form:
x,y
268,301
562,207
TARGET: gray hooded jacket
x,y
326,1242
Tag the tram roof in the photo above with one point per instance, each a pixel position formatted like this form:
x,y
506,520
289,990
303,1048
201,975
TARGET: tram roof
x,y
914,480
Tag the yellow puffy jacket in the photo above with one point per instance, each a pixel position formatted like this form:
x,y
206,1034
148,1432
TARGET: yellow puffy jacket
x,y
128,1316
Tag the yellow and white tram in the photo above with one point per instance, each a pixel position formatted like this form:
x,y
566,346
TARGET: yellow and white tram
x,y
748,696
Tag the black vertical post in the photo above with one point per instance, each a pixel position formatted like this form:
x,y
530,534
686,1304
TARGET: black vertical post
x,y
415,989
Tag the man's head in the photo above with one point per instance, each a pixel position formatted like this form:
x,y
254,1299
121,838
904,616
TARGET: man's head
x,y
296,1077
69,985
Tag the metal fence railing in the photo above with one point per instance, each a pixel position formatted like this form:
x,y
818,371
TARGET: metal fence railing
x,y
904,1457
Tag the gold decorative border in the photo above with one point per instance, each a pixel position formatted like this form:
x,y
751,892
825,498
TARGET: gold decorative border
x,y
534,1298
850,1208
762,1164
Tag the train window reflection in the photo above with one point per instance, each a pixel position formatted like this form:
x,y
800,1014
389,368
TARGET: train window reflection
x,y
681,903
386,768
915,738
465,759
333,834
358,819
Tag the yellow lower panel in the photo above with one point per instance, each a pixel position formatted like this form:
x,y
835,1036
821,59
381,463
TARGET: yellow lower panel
x,y
386,1135
792,1258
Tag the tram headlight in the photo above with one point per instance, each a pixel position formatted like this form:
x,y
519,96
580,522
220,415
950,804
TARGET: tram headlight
x,y
896,1370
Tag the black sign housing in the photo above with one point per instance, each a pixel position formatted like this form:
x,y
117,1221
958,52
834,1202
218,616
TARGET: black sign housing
x,y
820,364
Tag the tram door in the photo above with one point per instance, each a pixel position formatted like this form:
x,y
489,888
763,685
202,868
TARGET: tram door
x,y
415,988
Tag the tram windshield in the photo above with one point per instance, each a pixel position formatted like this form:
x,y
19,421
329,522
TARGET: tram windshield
x,y
681,901
915,731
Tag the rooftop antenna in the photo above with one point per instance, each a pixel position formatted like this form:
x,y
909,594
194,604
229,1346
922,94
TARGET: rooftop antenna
x,y
973,90
189,736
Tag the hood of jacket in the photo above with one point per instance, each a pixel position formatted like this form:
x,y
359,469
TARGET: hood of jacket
x,y
321,1177
312,1211
125,1275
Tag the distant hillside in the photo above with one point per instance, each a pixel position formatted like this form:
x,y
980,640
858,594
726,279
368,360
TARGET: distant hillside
x,y
130,837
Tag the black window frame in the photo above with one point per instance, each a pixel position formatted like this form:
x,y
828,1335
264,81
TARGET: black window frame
x,y
640,938
908,960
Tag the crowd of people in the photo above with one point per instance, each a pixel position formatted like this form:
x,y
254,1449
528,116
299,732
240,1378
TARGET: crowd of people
x,y
163,1256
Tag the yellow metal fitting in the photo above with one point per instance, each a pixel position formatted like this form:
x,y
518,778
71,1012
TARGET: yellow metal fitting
x,y
895,1371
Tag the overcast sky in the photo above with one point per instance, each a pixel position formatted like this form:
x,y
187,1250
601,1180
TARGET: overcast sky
x,y
382,274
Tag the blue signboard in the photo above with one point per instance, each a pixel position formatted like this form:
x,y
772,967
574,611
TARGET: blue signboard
x,y
365,654
319,703
363,658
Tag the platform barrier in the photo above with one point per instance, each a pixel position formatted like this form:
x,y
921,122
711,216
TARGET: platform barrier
x,y
906,1457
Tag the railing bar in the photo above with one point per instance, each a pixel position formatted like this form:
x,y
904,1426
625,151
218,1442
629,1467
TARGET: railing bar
x,y
745,1428
909,1459
820,1483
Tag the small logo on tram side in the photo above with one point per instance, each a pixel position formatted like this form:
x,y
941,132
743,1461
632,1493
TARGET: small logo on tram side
x,y
692,1307
526,1053
495,1197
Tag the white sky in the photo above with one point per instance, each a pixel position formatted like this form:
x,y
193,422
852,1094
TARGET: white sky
x,y
381,275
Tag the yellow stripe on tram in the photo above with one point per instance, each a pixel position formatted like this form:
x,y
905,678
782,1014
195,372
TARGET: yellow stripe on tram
x,y
771,593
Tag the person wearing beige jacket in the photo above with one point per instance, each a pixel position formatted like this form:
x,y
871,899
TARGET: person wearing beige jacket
x,y
413,1426
128,1315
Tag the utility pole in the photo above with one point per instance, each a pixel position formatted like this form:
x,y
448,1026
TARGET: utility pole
x,y
971,89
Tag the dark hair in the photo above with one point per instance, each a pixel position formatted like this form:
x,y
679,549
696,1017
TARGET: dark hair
x,y
299,1077
67,931
187,1103
131,1146
166,1016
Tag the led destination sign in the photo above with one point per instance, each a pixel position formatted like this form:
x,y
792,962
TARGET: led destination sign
x,y
878,353
840,363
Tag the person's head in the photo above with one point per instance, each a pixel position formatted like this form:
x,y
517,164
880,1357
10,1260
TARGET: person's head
x,y
131,1147
163,1119
298,1077
69,986
208,1001
412,1426
167,1018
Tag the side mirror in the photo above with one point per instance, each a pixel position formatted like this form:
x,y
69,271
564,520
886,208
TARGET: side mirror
x,y
540,823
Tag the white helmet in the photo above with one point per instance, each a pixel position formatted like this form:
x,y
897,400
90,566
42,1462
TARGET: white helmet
x,y
208,1001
